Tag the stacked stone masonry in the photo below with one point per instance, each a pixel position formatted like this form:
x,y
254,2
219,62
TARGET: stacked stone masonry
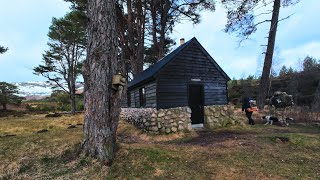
x,y
165,121
221,116
159,121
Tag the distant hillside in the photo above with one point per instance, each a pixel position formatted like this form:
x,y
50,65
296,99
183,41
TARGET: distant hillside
x,y
38,89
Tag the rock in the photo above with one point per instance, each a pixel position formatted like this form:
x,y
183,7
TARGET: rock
x,y
209,119
168,130
282,139
225,108
161,114
180,128
189,110
71,127
223,113
174,129
53,115
242,123
159,125
174,124
163,129
189,127
153,115
169,113
206,112
180,122
42,131
154,128
147,124
166,117
153,123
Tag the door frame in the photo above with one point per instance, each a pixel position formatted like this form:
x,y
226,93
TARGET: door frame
x,y
202,99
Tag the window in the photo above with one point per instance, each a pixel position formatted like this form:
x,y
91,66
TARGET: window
x,y
142,97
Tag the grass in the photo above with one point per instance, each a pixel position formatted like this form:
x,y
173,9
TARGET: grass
x,y
253,152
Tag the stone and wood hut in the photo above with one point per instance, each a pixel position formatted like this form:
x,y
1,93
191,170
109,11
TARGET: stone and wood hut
x,y
188,76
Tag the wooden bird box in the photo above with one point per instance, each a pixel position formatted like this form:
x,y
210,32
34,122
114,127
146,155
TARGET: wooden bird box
x,y
118,80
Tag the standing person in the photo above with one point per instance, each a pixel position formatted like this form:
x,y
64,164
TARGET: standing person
x,y
246,106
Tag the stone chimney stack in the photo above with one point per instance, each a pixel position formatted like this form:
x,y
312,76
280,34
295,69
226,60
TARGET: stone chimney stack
x,y
181,41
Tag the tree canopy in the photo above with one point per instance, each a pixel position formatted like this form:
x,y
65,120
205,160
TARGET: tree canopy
x,y
242,17
8,95
3,49
67,44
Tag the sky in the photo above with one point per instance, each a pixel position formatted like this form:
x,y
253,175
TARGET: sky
x,y
24,26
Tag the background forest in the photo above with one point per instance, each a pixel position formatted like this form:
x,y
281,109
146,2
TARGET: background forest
x,y
302,84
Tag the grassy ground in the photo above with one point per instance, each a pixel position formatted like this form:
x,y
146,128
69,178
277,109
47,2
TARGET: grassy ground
x,y
255,152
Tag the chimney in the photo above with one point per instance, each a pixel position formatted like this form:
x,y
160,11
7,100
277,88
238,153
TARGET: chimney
x,y
181,41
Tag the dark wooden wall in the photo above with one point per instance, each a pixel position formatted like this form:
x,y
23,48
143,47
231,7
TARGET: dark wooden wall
x,y
151,101
174,78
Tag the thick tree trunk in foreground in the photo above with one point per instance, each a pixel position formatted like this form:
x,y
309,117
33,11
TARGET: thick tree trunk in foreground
x,y
102,103
265,78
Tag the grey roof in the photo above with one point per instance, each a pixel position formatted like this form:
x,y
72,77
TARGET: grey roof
x,y
150,73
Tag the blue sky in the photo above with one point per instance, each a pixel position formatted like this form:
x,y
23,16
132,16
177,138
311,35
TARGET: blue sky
x,y
24,28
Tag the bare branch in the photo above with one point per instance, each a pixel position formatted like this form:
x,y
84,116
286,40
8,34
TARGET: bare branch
x,y
264,5
270,12
262,22
286,17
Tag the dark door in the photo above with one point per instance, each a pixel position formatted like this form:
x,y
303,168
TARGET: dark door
x,y
196,103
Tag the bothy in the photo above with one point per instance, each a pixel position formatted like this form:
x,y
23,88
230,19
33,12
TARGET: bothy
x,y
187,77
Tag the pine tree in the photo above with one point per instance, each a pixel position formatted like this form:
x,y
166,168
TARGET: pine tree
x,y
102,102
8,95
63,61
241,18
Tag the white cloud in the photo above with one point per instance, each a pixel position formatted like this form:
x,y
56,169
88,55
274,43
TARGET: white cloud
x,y
25,25
293,56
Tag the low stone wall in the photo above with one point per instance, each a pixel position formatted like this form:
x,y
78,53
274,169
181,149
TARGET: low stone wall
x,y
221,116
140,117
178,119
159,121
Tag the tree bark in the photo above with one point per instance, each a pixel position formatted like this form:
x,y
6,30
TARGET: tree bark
x,y
4,105
264,82
102,103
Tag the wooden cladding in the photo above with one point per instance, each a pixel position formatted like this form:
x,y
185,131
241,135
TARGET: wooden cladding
x,y
192,65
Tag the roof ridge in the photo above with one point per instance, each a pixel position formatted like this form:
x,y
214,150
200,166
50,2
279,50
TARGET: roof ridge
x,y
153,69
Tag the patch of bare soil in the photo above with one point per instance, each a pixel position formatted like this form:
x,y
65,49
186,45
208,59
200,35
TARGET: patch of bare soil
x,y
209,138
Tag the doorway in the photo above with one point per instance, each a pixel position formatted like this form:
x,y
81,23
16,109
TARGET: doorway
x,y
196,103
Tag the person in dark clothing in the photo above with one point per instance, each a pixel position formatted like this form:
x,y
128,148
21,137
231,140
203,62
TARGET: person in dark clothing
x,y
246,106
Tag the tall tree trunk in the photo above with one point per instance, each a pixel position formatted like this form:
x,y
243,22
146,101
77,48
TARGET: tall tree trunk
x,y
264,82
141,14
4,105
131,44
102,103
73,101
153,10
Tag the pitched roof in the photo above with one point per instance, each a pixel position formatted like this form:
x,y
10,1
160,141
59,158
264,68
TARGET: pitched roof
x,y
150,73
